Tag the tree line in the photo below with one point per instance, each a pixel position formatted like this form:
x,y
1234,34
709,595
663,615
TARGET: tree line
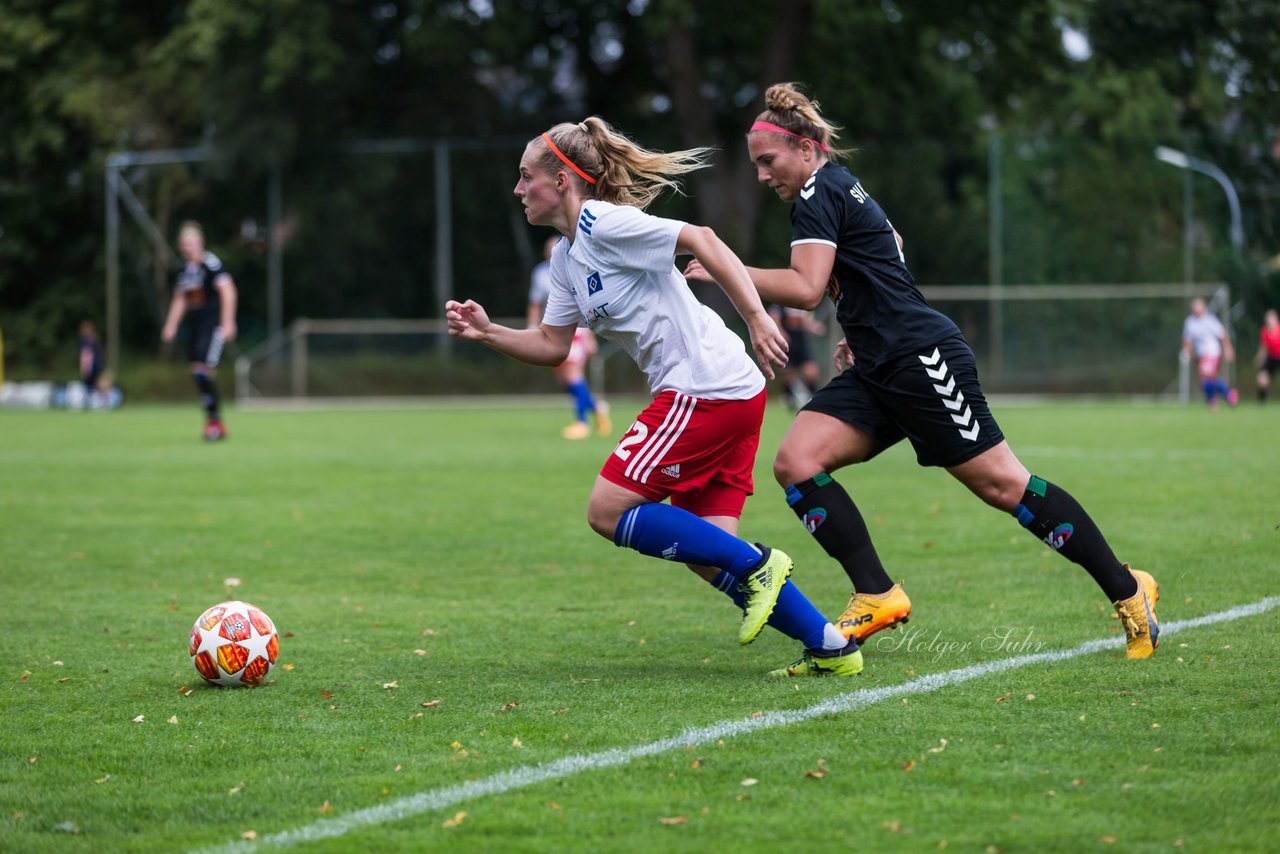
x,y
1057,104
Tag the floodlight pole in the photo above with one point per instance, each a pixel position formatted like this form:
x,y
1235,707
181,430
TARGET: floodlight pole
x,y
1185,161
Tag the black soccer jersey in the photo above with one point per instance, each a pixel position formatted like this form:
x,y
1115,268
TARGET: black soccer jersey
x,y
878,306
198,283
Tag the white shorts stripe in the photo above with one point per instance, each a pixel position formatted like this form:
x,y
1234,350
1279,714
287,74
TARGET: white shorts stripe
x,y
661,440
666,436
216,342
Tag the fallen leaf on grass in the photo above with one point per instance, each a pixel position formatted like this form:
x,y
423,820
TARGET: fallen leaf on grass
x,y
516,742
237,789
140,719
426,632
552,805
186,690
908,765
33,759
1107,840
1031,696
250,835
669,820
288,665
26,674
750,781
173,719
508,707
391,684
816,774
1005,697
231,582
102,779
419,652
326,694
458,818
942,745
430,704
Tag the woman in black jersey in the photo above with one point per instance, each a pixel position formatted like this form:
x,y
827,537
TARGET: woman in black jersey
x,y
907,373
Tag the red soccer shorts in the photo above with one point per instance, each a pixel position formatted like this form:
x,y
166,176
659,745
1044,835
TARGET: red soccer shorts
x,y
697,452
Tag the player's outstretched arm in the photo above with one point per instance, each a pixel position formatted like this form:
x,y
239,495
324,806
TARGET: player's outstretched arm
x,y
541,345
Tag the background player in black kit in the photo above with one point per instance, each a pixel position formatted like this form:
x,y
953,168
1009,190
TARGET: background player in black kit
x,y
206,295
908,373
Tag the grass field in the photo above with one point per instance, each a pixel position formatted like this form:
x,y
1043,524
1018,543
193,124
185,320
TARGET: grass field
x,y
442,554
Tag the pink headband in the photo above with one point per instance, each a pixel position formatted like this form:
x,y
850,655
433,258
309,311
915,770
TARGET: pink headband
x,y
546,137
772,128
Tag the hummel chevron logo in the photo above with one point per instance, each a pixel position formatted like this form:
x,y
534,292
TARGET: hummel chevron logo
x,y
965,421
808,189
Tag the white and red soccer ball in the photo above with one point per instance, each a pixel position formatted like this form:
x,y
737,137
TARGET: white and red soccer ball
x,y
234,643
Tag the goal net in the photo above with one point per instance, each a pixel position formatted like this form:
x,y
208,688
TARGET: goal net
x,y
1094,339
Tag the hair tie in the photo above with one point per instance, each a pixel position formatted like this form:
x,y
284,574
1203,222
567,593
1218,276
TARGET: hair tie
x,y
769,127
546,137
582,126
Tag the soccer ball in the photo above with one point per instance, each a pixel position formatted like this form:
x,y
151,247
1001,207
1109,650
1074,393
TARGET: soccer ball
x,y
234,643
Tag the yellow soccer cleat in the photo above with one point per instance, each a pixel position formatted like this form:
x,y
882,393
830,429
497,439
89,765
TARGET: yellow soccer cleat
x,y
869,613
604,425
819,662
760,589
576,430
1138,616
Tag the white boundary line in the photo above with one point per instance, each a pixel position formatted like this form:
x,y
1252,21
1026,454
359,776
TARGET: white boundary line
x,y
528,775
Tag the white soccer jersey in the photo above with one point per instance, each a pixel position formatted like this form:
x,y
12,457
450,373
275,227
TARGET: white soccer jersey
x,y
1205,334
619,275
539,283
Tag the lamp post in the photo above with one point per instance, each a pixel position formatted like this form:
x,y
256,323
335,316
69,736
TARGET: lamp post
x,y
1185,161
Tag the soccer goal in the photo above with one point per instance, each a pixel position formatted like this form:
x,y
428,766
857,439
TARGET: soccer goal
x,y
1072,340
380,360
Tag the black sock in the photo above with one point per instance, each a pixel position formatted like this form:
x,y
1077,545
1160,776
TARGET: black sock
x,y
1054,516
833,519
208,395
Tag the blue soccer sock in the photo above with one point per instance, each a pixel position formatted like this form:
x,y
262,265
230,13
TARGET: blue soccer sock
x,y
660,530
794,615
583,402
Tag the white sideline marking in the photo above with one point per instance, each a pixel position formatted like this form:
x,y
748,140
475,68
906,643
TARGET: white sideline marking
x,y
528,775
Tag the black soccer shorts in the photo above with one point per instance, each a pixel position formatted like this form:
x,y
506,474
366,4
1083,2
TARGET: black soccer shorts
x,y
931,397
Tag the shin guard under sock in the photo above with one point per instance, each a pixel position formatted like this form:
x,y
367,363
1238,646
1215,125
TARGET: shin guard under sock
x,y
830,515
1051,514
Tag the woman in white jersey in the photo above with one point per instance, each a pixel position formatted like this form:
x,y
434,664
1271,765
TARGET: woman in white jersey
x,y
696,442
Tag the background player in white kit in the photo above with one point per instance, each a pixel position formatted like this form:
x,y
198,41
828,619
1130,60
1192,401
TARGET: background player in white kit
x,y
572,372
1205,339
696,442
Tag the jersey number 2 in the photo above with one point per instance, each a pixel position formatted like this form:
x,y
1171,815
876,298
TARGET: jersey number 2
x,y
637,434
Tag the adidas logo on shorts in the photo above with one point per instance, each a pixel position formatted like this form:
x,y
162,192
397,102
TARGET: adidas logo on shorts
x,y
671,471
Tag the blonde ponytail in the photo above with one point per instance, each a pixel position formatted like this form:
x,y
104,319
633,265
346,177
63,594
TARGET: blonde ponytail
x,y
615,168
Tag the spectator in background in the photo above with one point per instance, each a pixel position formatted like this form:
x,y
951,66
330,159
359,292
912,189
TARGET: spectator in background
x,y
205,294
1205,338
90,361
572,372
1268,358
800,375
